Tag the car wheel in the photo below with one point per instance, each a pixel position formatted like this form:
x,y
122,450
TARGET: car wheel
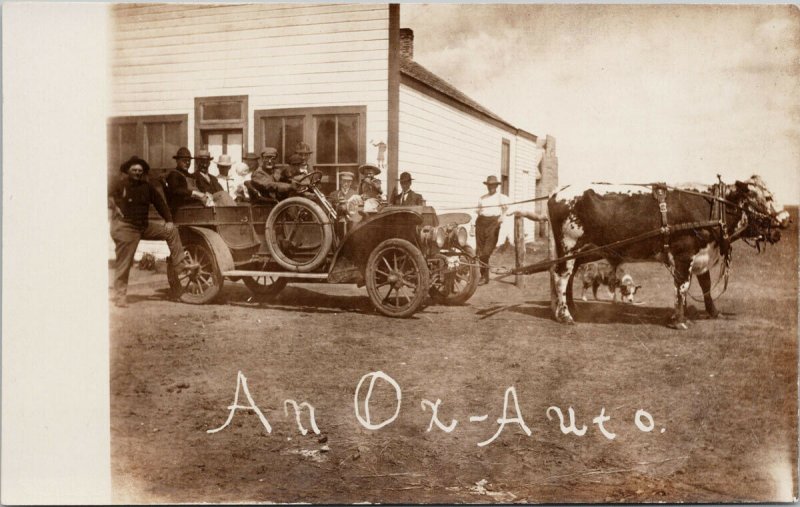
x,y
397,278
201,281
266,286
456,287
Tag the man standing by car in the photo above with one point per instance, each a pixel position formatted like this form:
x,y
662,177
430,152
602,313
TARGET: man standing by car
x,y
491,210
181,188
129,200
406,196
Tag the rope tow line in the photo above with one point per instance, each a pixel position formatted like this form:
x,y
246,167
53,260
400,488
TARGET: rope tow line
x,y
542,198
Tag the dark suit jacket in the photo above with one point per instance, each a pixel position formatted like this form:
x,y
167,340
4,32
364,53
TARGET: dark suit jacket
x,y
412,199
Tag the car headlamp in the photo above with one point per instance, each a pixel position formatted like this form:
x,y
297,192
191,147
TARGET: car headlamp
x,y
440,237
461,236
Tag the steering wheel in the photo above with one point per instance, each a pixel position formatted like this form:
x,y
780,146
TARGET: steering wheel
x,y
307,180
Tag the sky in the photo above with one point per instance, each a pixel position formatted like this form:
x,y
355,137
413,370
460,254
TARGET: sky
x,y
632,92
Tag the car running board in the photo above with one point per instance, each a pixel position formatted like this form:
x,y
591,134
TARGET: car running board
x,y
275,274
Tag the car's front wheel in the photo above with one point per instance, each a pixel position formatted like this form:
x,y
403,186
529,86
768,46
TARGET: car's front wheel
x,y
458,284
397,278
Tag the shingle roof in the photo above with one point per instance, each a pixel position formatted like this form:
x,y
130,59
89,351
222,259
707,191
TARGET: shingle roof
x,y
416,71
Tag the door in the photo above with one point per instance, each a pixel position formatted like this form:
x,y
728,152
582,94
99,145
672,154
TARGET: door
x,y
227,141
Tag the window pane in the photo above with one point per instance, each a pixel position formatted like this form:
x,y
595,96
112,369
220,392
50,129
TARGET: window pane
x,y
172,141
273,135
155,143
348,139
326,139
127,142
294,134
222,111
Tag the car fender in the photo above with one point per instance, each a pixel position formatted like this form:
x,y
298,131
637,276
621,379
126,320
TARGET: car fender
x,y
214,241
352,254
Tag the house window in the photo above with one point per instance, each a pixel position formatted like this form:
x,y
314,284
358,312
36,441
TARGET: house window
x,y
505,163
154,138
337,136
221,127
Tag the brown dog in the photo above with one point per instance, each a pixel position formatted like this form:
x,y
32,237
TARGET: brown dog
x,y
595,274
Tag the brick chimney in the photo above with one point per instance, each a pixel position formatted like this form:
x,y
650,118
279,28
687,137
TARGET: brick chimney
x,y
407,43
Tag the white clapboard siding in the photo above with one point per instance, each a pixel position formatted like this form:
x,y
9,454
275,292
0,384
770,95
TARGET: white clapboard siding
x,y
280,55
450,154
163,56
527,157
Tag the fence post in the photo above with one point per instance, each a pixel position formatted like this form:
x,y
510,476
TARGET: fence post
x,y
519,249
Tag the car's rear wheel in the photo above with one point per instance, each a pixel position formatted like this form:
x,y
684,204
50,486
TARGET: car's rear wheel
x,y
457,286
201,281
397,278
267,286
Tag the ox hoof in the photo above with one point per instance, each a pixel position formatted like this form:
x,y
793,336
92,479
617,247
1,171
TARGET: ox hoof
x,y
691,312
584,298
713,313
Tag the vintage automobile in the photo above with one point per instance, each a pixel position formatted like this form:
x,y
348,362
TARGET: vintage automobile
x,y
402,254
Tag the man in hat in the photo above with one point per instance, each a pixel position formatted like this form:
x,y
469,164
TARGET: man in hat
x,y
369,187
305,152
406,196
491,210
267,178
205,182
296,167
181,189
345,190
225,179
130,199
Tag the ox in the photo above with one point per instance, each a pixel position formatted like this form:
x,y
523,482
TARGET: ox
x,y
605,216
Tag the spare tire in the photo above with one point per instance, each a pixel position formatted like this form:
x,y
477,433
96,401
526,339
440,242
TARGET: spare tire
x,y
299,234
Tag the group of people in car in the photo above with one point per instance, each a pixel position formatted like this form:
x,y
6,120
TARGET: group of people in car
x,y
256,179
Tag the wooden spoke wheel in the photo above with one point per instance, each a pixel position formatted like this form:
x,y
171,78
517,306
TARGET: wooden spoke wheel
x,y
397,278
456,286
267,286
201,280
299,234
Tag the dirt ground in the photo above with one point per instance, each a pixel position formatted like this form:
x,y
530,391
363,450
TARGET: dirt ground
x,y
722,395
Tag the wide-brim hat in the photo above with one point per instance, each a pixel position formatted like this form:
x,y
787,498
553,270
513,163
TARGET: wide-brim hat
x,y
404,176
183,152
295,160
369,168
250,156
224,161
203,155
302,148
491,180
134,160
346,175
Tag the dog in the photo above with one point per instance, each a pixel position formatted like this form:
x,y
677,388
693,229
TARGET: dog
x,y
595,274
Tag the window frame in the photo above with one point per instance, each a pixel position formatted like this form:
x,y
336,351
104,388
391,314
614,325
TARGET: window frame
x,y
142,144
505,166
201,124
309,115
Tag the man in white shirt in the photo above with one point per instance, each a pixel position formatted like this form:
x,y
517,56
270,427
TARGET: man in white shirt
x,y
492,208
